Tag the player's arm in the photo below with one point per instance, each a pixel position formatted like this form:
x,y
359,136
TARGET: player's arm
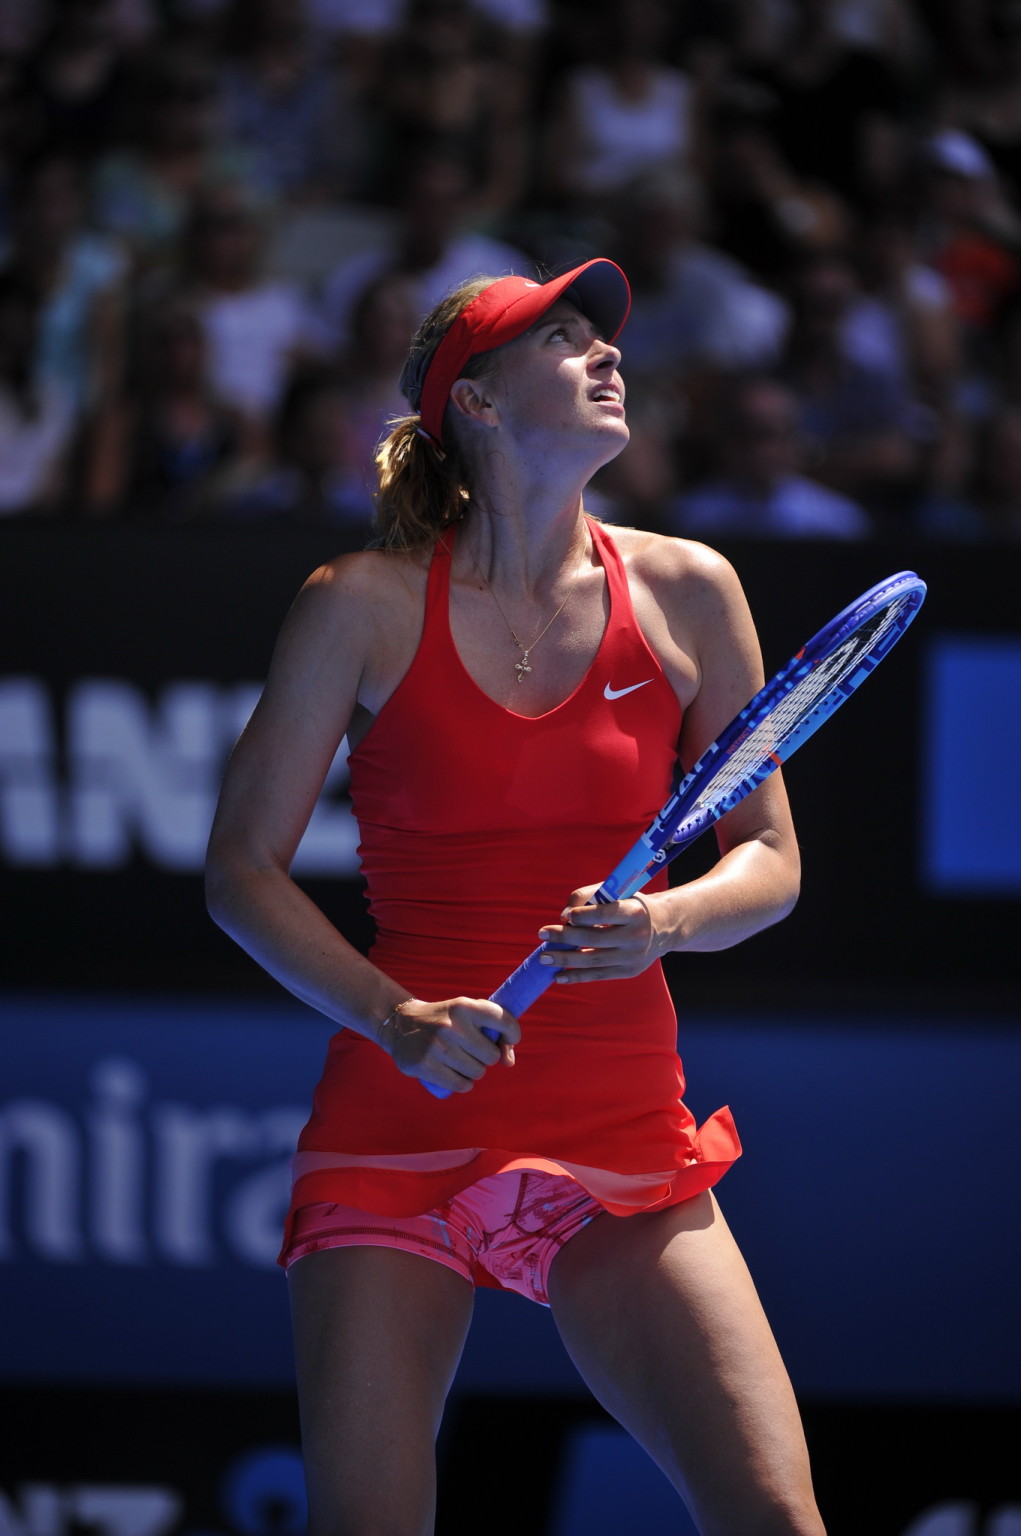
x,y
322,668
706,641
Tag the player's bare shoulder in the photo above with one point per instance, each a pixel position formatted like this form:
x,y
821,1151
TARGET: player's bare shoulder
x,y
362,585
688,582
362,598
358,617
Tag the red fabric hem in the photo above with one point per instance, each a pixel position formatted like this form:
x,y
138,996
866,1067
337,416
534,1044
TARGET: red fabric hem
x,y
386,1192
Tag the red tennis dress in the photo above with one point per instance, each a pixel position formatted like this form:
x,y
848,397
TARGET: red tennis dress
x,y
476,824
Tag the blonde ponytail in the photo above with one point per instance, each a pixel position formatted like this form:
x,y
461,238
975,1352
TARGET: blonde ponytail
x,y
422,488
420,492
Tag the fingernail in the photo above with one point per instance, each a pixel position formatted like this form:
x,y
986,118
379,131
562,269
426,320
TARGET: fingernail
x,y
547,960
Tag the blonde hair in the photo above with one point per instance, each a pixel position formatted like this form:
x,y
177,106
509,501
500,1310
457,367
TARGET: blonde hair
x,y
422,488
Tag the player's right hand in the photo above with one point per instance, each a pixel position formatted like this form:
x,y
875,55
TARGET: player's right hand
x,y
443,1044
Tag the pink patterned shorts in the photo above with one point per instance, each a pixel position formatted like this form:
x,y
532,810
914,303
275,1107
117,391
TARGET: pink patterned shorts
x,y
511,1226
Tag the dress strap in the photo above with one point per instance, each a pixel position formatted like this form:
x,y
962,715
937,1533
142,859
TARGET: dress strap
x,y
436,642
437,590
625,652
621,607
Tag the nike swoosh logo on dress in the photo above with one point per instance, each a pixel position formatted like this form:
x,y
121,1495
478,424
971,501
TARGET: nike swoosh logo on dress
x,y
618,693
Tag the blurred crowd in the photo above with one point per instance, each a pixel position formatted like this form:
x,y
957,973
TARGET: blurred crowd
x,y
220,221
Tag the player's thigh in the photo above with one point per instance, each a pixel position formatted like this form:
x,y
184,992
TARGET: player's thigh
x,y
378,1334
662,1319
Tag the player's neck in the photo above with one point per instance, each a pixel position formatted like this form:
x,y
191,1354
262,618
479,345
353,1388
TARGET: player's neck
x,y
526,552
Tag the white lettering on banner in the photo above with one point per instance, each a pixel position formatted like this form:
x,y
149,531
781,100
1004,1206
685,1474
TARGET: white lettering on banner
x,y
29,796
118,1155
139,1183
115,774
48,1509
47,1140
961,1517
262,1493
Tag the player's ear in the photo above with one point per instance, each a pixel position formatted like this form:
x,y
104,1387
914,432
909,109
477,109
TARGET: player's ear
x,y
472,398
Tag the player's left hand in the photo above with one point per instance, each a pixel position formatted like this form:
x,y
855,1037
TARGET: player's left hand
x,y
607,942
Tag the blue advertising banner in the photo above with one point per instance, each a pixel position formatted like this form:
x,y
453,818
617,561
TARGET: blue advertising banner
x,y
972,836
144,1147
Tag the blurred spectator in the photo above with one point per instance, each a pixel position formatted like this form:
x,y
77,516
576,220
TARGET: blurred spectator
x,y
17,132
520,27
521,16
761,211
36,422
78,276
971,231
135,21
166,448
284,100
943,504
383,322
859,421
75,79
375,18
841,96
143,192
21,26
983,93
444,93
692,306
626,112
760,490
433,244
163,158
356,18
902,320
357,32
998,479
314,478
1002,381
890,28
254,326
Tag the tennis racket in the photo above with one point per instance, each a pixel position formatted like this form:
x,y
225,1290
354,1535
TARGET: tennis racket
x,y
778,720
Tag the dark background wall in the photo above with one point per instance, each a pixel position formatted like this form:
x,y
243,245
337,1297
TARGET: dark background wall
x,y
904,806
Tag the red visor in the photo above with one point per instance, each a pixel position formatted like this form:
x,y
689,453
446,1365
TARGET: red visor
x,y
505,310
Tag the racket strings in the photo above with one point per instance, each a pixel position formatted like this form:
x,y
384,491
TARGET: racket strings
x,y
785,719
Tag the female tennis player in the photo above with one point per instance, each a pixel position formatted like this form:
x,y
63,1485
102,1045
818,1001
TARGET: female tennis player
x,y
517,685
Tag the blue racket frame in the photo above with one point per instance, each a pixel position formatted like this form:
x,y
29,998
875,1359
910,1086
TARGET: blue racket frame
x,y
701,798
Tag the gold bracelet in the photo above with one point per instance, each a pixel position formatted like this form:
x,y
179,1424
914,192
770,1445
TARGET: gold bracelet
x,y
390,1018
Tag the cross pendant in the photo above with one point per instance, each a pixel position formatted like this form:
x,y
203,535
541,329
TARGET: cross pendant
x,y
521,667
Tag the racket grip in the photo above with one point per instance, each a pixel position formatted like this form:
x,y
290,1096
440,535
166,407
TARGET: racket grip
x,y
527,984
521,989
437,1092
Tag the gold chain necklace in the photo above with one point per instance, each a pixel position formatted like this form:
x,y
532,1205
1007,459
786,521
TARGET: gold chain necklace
x,y
522,667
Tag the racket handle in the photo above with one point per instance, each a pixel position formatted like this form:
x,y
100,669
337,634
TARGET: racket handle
x,y
437,1093
527,984
521,989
